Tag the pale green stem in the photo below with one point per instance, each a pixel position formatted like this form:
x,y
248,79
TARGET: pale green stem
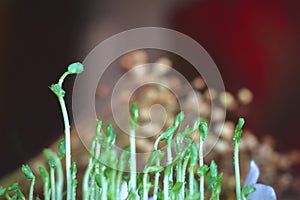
x,y
191,180
104,185
156,182
145,190
237,171
67,138
60,181
31,189
46,190
166,185
201,163
169,156
52,177
85,184
68,147
132,161
184,166
179,177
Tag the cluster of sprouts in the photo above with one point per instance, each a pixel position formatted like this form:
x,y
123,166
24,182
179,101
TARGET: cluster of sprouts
x,y
185,175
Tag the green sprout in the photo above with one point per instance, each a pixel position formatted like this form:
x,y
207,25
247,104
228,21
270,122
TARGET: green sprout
x,y
29,175
133,126
236,138
203,130
105,170
74,68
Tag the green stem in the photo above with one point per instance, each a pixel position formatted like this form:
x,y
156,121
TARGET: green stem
x,y
60,181
132,161
184,167
191,180
169,156
166,184
68,146
145,188
201,163
156,182
52,177
85,184
31,189
104,184
74,181
237,170
46,190
7,196
179,175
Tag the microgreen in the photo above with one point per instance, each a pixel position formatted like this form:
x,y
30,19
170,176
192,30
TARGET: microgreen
x,y
104,173
236,138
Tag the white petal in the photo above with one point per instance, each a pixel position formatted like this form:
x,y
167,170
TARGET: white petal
x,y
124,190
262,192
252,175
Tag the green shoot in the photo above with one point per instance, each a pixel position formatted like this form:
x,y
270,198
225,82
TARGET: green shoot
x,y
214,181
75,68
45,178
203,131
74,180
236,138
29,175
133,125
193,163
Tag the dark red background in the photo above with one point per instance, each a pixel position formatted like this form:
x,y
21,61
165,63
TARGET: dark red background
x,y
255,44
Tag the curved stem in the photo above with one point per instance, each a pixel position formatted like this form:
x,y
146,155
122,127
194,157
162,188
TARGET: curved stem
x,y
68,145
31,189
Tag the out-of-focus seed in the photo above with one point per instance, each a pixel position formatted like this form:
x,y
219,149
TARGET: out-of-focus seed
x,y
198,83
245,96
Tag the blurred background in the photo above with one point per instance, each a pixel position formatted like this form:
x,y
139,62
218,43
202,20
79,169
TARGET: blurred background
x,y
255,45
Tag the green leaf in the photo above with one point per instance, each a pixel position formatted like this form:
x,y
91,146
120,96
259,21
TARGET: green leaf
x,y
154,169
178,119
20,195
2,191
177,187
12,187
99,127
202,171
134,112
203,129
27,172
238,130
196,124
38,198
187,131
62,148
110,134
98,180
75,68
151,159
139,179
213,169
126,179
57,90
52,158
168,133
44,174
247,190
